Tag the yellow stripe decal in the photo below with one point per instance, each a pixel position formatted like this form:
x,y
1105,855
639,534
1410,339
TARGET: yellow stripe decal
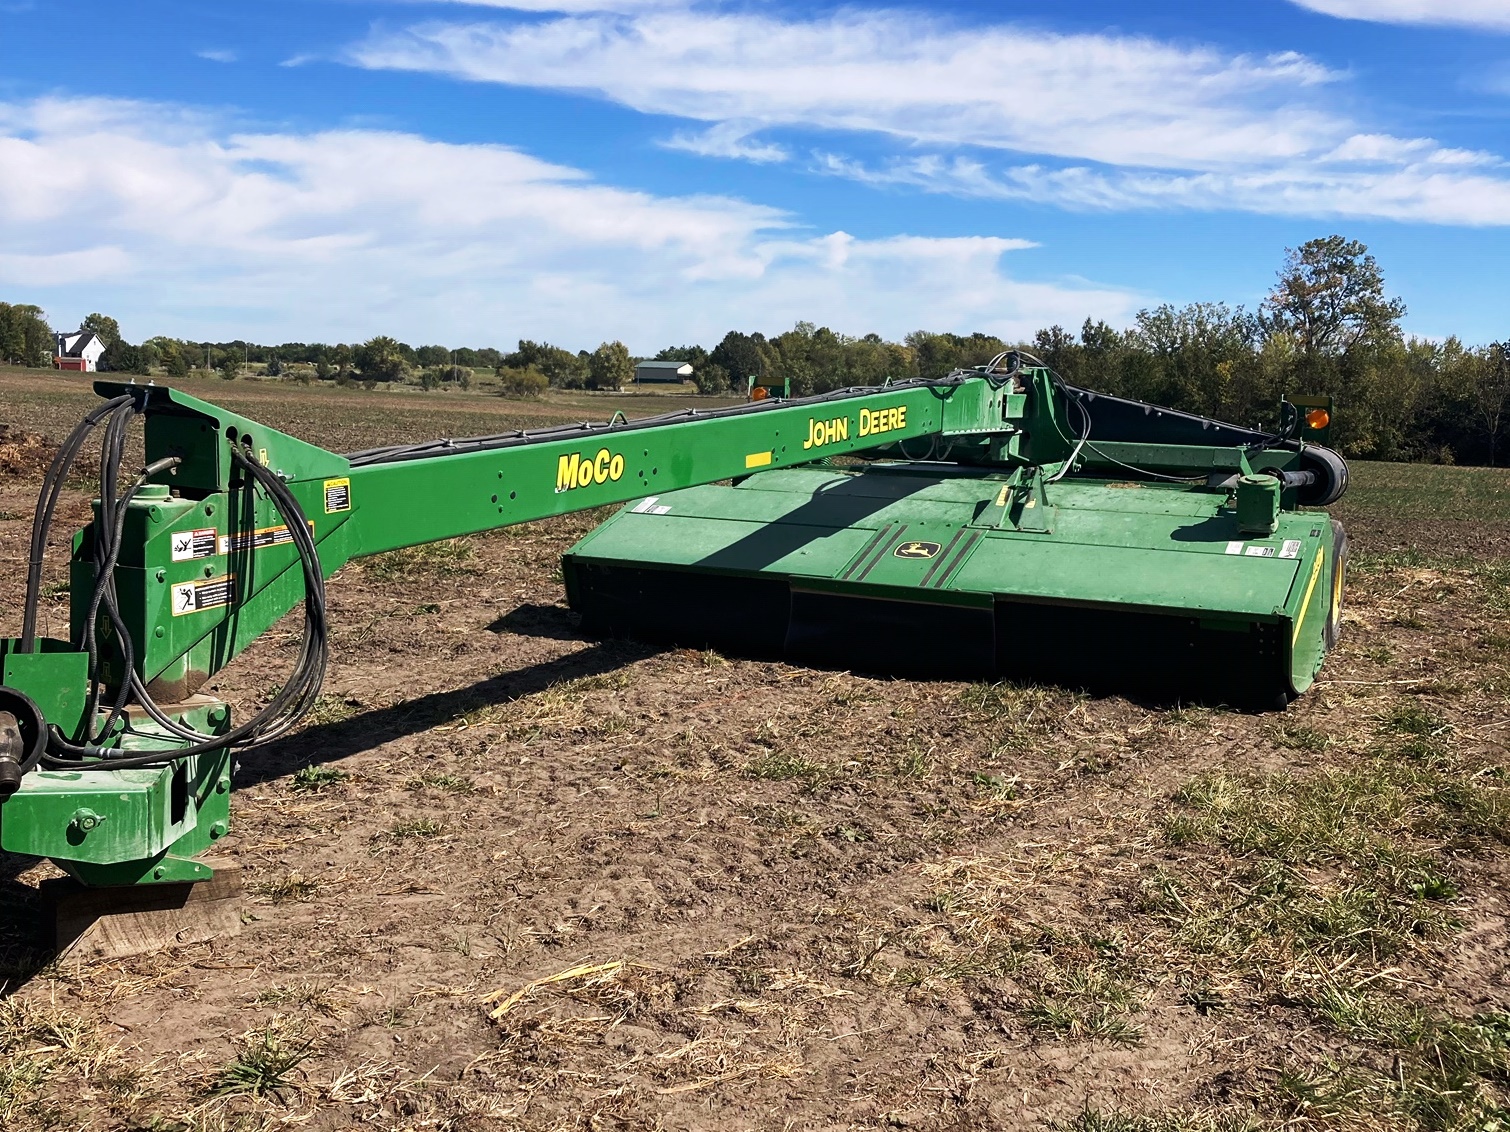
x,y
757,459
1306,603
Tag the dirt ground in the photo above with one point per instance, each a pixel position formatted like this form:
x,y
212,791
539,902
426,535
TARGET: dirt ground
x,y
508,877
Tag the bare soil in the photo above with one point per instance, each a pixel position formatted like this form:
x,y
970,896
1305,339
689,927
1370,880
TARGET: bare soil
x,y
556,882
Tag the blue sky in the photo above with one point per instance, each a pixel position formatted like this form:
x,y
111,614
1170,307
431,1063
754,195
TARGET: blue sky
x,y
664,170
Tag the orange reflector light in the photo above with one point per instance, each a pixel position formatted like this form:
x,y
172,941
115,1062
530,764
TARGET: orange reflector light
x,y
759,393
1318,418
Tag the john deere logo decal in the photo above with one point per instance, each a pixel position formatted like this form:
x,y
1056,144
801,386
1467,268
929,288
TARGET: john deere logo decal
x,y
916,550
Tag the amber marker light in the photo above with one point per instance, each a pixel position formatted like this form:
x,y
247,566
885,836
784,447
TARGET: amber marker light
x,y
1318,419
759,393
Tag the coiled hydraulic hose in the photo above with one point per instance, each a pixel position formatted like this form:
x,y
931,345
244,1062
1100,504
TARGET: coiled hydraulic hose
x,y
88,749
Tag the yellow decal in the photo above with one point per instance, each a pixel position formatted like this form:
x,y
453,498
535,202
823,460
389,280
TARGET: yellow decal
x,y
1306,601
582,470
916,550
337,496
882,420
759,459
820,433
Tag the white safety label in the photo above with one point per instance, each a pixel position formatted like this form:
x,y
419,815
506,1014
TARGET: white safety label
x,y
208,593
648,507
1291,548
189,545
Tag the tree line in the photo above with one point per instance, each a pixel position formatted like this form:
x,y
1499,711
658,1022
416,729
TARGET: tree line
x,y
1327,326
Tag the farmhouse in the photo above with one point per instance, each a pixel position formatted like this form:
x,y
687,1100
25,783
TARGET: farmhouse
x,y
79,350
667,373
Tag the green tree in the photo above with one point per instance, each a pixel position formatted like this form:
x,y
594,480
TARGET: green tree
x,y
25,337
1330,298
1192,352
522,383
711,378
175,363
741,356
102,324
562,368
1491,398
381,359
610,366
432,356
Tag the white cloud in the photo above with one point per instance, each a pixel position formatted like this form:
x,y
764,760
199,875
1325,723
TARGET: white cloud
x,y
1430,190
616,6
217,55
1103,121
727,139
178,225
1119,100
1488,15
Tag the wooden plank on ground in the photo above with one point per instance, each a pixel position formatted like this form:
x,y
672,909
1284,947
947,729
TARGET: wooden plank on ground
x,y
111,923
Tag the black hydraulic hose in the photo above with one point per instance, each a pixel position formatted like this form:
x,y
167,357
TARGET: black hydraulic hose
x,y
104,595
47,501
449,447
290,704
107,542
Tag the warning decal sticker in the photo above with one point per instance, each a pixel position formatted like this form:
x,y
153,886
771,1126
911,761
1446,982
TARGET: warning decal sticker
x,y
1291,548
256,540
649,507
337,496
189,545
1260,552
1234,548
209,593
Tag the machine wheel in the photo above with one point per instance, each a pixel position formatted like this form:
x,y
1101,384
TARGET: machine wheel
x,y
1339,584
1331,476
23,738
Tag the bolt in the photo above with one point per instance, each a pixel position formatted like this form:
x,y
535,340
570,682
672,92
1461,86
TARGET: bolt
x,y
85,820
222,786
209,508
209,571
217,830
159,631
162,575
159,872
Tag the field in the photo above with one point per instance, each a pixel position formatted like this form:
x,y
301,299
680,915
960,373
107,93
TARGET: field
x,y
508,877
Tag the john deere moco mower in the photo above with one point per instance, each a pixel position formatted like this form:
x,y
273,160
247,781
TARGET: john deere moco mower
x,y
995,523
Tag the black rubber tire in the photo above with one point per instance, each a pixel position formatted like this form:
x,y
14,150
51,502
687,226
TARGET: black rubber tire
x,y
1331,477
32,724
1337,586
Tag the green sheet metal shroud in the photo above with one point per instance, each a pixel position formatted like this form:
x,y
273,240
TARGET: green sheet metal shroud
x,y
919,569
